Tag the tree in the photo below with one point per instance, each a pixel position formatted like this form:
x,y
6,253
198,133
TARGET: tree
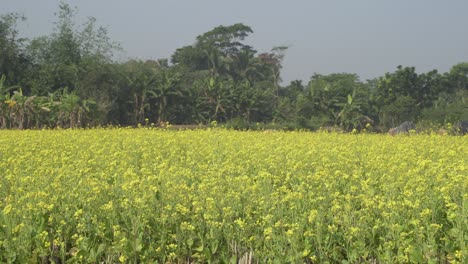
x,y
140,82
13,60
224,72
166,88
277,59
215,50
450,99
244,67
98,75
65,58
247,100
227,40
402,95
70,110
458,77
336,99
215,99
5,102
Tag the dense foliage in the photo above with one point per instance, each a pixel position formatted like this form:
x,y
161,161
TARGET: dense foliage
x,y
221,196
70,79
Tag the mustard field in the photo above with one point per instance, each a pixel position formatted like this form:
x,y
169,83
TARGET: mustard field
x,y
220,196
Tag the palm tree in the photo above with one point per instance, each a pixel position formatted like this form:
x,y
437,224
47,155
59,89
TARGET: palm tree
x,y
246,66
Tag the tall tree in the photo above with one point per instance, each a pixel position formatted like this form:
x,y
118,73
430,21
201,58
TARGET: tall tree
x,y
215,50
226,39
403,94
458,77
13,60
65,58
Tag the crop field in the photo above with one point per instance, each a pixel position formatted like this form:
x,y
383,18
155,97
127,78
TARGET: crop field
x,y
221,196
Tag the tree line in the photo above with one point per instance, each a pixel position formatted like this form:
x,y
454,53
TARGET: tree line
x,y
71,79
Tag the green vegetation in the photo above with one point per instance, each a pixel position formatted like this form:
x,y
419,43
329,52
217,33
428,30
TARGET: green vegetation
x,y
221,196
70,79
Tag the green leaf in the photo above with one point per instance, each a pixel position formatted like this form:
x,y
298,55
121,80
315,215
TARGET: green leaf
x,y
199,249
101,249
350,99
214,247
190,242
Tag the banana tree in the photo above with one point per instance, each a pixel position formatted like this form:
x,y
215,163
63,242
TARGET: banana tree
x,y
71,108
215,98
166,86
6,103
349,113
17,113
247,99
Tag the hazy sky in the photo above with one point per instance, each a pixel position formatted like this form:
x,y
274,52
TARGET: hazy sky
x,y
367,37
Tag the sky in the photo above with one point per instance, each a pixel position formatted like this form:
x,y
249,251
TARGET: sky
x,y
366,37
